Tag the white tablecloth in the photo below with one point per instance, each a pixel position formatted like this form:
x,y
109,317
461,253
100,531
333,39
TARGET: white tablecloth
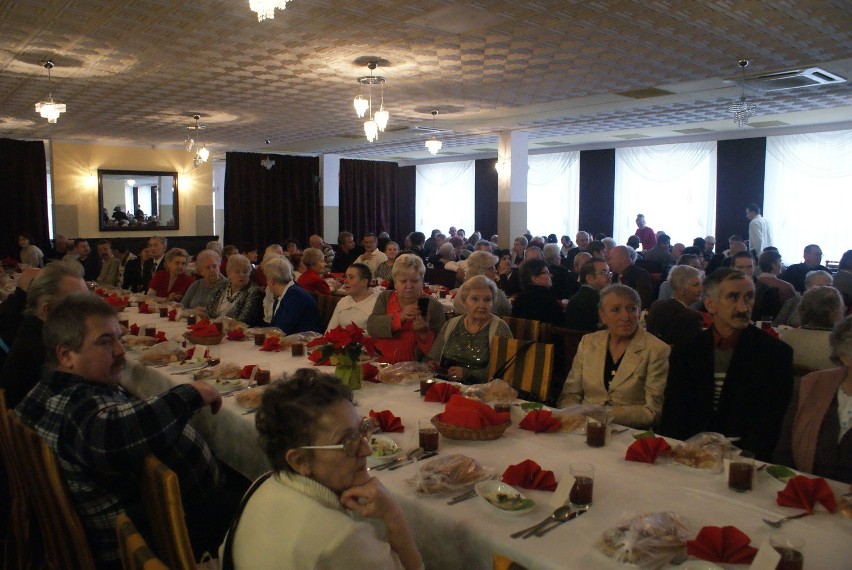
x,y
467,534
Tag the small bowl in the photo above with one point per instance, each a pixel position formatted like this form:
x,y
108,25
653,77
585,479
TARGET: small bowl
x,y
515,502
386,443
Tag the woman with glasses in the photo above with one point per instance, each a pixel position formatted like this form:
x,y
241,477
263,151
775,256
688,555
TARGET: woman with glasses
x,y
301,516
623,367
537,300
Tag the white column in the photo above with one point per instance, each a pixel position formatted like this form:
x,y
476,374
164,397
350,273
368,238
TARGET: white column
x,y
330,188
512,166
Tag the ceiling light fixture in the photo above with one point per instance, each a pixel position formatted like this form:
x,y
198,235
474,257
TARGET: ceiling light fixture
x,y
379,121
266,8
742,109
202,154
49,109
433,144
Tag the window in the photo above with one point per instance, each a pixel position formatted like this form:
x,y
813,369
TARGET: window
x,y
445,196
553,193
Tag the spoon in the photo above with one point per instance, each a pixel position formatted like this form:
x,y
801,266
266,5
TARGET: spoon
x,y
560,520
563,511
779,522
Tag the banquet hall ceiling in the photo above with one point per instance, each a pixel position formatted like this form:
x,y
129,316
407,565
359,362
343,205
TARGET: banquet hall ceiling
x,y
133,72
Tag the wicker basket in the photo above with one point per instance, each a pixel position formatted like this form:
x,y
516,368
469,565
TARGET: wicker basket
x,y
205,340
458,432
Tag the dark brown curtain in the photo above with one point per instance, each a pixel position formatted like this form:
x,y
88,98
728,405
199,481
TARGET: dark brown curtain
x,y
597,191
485,197
268,206
740,169
23,191
376,197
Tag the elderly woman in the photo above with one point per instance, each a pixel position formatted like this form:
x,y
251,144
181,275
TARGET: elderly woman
x,y
689,259
357,306
446,257
311,279
770,268
30,254
672,320
237,298
816,436
622,367
536,300
819,310
317,444
384,271
789,313
199,293
288,306
401,331
173,281
463,346
482,263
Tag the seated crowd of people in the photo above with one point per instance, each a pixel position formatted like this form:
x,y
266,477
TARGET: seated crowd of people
x,y
668,343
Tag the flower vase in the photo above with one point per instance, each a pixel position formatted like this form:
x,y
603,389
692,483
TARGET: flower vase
x,y
349,374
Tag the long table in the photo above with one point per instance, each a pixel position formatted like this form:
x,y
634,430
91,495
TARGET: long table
x,y
464,536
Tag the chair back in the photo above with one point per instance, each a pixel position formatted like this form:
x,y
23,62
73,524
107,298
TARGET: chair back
x,y
160,491
528,366
440,276
15,548
326,305
63,537
566,341
524,329
135,554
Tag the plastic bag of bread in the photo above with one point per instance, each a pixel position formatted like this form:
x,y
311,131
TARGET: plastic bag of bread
x,y
223,371
495,391
167,352
703,451
650,540
573,418
250,399
449,474
405,372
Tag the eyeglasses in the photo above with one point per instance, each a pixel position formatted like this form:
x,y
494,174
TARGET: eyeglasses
x,y
605,273
352,442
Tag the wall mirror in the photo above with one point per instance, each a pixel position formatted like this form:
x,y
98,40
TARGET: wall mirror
x,y
138,200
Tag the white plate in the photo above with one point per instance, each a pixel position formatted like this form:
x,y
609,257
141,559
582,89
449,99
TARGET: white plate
x,y
513,501
699,565
185,366
227,385
387,443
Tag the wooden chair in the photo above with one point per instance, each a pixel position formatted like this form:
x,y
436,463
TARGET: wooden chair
x,y
524,329
135,554
530,366
326,305
565,342
440,276
64,541
500,562
16,547
160,491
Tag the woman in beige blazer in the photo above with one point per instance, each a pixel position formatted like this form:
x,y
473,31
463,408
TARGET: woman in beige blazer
x,y
635,363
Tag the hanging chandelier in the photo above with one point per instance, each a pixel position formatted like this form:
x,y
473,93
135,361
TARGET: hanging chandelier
x,y
377,122
266,8
742,109
49,109
433,144
201,154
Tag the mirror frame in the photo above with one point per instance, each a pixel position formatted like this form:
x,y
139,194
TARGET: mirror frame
x,y
137,173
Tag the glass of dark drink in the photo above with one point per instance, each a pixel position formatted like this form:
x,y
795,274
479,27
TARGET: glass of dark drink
x,y
259,339
596,429
442,293
741,472
297,349
425,384
124,323
791,549
429,437
150,331
164,312
584,484
191,320
262,377
503,407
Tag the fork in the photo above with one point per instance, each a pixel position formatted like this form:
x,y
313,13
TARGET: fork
x,y
779,522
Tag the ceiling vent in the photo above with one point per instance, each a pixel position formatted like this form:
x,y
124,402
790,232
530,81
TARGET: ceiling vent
x,y
810,77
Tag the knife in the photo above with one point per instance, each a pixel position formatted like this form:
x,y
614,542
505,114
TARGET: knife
x,y
407,461
572,516
463,497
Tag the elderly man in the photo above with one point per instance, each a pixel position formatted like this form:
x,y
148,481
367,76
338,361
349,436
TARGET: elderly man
x,y
732,378
347,253
582,310
371,257
736,244
200,293
582,239
110,265
672,320
661,255
100,434
622,261
795,274
91,262
709,246
645,234
288,306
156,260
560,276
759,235
788,315
767,300
317,242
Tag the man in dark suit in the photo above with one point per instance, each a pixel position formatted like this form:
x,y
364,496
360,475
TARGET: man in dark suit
x,y
767,299
582,310
796,273
622,261
672,320
91,262
157,252
732,378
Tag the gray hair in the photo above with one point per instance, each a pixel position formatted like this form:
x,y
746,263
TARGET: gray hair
x,y
580,259
713,282
238,261
550,252
272,249
622,291
522,240
840,340
479,262
214,246
311,256
609,242
681,275
477,282
162,240
408,262
820,307
813,277
47,285
631,253
447,250
278,270
209,253
66,324
176,252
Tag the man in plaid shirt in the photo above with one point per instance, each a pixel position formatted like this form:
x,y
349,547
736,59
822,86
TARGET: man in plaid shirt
x,y
100,433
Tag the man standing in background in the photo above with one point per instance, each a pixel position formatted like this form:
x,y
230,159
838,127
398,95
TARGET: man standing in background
x,y
759,236
645,234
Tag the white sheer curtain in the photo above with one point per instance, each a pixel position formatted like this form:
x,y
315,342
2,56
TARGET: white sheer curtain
x,y
553,193
808,193
674,185
445,196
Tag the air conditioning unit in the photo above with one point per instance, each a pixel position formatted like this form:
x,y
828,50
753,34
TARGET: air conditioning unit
x,y
810,77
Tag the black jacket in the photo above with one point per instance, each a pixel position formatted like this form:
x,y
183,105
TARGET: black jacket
x,y
582,311
539,304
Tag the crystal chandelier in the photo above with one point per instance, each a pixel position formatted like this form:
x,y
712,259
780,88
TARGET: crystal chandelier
x,y
378,121
433,144
202,154
266,8
49,109
742,109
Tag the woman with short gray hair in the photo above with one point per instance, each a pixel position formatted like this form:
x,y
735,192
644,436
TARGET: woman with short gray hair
x,y
673,320
173,281
237,298
819,310
311,279
288,306
483,263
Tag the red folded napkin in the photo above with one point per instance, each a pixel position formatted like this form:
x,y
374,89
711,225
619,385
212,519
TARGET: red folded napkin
x,y
726,545
145,309
385,283
271,344
540,421
206,354
441,392
134,329
116,301
464,412
804,492
387,421
317,358
204,329
646,449
161,337
9,261
529,475
172,314
236,334
369,373
190,352
245,372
